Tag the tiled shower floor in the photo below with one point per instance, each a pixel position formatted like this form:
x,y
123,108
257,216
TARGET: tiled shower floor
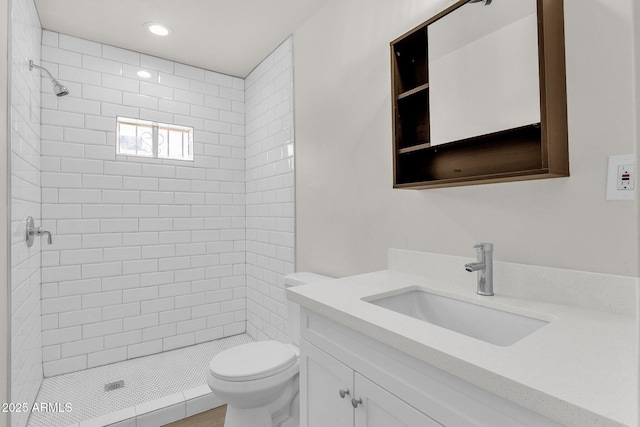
x,y
147,378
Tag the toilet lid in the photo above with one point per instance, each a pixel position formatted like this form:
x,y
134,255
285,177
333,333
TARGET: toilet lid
x,y
252,361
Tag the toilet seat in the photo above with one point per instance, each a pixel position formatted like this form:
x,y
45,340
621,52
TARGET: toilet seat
x,y
252,361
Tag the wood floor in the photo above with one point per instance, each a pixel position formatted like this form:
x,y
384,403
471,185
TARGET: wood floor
x,y
212,418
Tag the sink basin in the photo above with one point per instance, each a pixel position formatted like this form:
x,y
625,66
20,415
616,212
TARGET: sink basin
x,y
484,323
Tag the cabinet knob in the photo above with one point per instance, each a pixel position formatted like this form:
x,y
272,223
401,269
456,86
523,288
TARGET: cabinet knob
x,y
343,393
355,402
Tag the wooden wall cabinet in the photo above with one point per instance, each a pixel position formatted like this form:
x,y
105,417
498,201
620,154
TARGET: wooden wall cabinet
x,y
533,151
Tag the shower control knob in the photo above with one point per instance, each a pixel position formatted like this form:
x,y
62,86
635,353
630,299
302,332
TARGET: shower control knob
x,y
39,231
355,402
31,231
343,393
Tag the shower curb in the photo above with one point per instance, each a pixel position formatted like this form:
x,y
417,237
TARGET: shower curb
x,y
160,411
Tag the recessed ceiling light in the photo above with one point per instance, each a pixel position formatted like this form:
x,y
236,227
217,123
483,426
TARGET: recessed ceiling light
x,y
144,74
157,29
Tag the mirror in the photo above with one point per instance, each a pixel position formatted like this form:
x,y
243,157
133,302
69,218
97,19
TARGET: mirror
x,y
483,70
479,95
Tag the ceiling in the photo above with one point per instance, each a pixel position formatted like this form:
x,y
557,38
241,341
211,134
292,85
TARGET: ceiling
x,y
228,36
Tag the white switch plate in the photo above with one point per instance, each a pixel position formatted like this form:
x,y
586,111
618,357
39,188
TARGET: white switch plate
x,y
616,188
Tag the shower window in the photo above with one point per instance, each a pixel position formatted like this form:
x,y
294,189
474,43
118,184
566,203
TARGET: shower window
x,y
155,140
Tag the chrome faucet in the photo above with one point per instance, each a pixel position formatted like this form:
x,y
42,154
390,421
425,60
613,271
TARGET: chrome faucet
x,y
484,267
31,231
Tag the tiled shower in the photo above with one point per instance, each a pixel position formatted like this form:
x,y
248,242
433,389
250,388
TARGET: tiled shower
x,y
148,255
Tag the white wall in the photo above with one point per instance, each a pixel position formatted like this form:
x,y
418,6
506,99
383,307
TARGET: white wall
x,y
636,15
270,192
147,255
347,213
26,342
4,210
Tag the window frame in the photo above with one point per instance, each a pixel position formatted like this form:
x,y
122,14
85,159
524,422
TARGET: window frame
x,y
155,128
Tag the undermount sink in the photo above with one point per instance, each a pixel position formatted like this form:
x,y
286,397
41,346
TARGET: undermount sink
x,y
484,323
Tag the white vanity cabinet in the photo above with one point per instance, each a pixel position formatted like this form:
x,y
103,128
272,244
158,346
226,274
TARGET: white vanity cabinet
x,y
379,408
335,395
326,387
383,387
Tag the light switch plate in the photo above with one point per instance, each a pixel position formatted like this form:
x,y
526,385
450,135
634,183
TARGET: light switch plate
x,y
617,187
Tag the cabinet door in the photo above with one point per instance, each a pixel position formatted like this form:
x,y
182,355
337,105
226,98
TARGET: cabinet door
x,y
379,408
321,379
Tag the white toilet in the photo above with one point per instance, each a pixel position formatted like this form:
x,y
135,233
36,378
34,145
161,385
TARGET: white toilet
x,y
259,380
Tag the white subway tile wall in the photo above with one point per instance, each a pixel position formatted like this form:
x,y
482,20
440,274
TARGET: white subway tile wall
x,y
26,351
148,255
270,190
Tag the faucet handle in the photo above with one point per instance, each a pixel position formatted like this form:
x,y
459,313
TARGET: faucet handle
x,y
486,247
39,231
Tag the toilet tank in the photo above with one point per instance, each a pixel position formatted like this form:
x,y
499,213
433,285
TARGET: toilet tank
x,y
297,279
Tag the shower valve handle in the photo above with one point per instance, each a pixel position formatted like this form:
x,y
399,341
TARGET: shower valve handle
x,y
32,231
41,232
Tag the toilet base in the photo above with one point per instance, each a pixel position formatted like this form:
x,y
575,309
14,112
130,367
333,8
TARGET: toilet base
x,y
283,412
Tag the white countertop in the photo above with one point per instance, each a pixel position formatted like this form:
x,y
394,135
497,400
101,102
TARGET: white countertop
x,y
579,370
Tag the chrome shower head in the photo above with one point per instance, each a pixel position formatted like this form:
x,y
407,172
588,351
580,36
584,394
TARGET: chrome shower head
x,y
58,89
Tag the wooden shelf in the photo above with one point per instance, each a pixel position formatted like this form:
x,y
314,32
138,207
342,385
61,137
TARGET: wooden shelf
x,y
533,151
412,120
413,91
409,59
414,148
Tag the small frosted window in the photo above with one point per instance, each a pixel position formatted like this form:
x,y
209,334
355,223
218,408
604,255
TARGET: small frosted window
x,y
157,140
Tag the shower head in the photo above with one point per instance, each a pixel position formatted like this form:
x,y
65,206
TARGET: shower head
x,y
58,89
